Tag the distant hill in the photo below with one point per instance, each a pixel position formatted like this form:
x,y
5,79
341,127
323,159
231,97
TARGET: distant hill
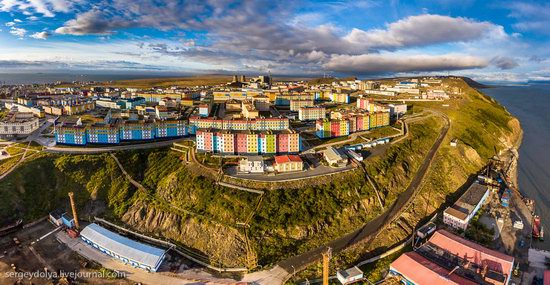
x,y
474,84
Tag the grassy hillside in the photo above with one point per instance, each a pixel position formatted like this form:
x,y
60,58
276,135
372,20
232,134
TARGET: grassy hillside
x,y
483,128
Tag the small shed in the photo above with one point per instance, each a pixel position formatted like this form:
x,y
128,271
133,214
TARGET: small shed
x,y
67,220
55,217
349,275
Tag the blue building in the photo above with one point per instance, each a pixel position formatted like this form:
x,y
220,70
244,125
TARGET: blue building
x,y
131,103
114,133
103,134
137,130
71,135
131,252
171,128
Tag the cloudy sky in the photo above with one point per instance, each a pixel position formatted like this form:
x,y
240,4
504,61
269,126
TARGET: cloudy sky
x,y
488,40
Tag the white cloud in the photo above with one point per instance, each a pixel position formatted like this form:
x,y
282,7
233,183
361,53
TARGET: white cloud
x,y
46,8
40,35
9,24
18,32
424,30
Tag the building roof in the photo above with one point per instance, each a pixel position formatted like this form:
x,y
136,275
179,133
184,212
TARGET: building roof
x,y
468,201
473,252
125,247
57,213
287,158
253,158
332,154
350,272
421,270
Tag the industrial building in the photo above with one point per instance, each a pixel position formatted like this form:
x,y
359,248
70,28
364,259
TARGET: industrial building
x,y
464,209
131,252
449,259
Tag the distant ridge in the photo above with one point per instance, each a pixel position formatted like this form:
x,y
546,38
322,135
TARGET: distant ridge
x,y
474,84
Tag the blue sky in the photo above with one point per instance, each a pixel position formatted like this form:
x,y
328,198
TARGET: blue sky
x,y
487,40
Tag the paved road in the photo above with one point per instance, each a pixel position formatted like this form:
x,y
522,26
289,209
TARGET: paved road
x,y
369,230
85,150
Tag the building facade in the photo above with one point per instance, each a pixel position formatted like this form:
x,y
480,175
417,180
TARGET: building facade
x,y
257,124
247,142
17,124
460,214
295,105
103,133
311,113
288,163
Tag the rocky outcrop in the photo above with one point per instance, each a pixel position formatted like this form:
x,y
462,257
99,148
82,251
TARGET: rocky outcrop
x,y
222,244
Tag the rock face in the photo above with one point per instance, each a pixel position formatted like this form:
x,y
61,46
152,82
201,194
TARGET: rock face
x,y
224,245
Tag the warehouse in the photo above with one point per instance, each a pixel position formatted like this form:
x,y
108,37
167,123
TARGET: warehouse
x,y
128,251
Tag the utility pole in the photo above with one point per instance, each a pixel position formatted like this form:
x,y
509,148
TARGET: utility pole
x,y
326,257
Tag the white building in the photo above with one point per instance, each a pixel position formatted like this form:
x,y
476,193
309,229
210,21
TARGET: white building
x,y
462,211
131,252
252,164
18,124
334,157
397,109
349,275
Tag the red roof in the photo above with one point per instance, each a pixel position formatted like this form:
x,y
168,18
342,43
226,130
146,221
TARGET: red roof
x,y
546,277
474,252
287,158
420,270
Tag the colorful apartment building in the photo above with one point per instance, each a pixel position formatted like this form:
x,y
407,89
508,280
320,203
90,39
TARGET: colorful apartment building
x,y
72,135
105,133
344,124
78,108
102,134
311,113
171,128
369,105
339,98
204,110
365,104
257,124
295,105
283,99
332,128
137,130
379,119
247,142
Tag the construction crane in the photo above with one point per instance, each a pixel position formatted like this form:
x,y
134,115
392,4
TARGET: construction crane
x,y
73,207
326,258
